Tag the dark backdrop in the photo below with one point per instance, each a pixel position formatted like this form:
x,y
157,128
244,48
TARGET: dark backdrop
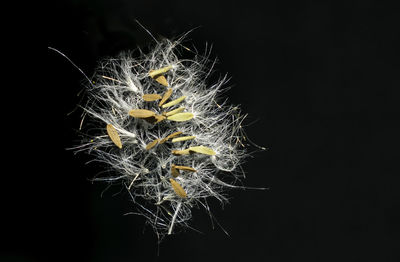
x,y
320,84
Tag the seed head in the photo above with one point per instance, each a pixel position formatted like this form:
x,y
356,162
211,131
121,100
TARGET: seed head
x,y
164,132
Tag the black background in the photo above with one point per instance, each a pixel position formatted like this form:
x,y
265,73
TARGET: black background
x,y
320,82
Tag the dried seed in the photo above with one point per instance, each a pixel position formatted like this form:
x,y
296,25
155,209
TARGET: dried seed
x,y
180,152
174,134
113,134
157,75
173,112
174,171
185,168
183,138
162,80
178,188
181,117
202,150
141,113
151,144
170,136
151,97
174,102
160,71
166,95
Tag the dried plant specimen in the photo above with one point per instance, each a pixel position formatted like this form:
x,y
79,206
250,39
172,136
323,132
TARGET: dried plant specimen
x,y
178,151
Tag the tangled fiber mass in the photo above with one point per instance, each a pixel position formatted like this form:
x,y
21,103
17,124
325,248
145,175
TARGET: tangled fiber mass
x,y
164,132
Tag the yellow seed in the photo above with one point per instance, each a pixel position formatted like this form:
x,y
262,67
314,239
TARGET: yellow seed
x,y
174,102
174,171
151,97
181,117
174,134
185,168
175,111
170,136
157,75
162,80
178,188
166,95
180,152
160,71
151,144
141,113
113,134
183,138
202,150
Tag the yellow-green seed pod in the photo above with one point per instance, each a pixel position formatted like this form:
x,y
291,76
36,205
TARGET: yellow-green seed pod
x,y
182,138
113,134
178,188
181,117
202,150
174,102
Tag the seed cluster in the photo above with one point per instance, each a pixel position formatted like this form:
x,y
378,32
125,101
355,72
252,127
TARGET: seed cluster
x,y
153,117
166,138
